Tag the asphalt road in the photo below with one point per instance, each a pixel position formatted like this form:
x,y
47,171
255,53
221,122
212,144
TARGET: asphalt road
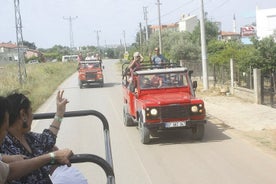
x,y
222,157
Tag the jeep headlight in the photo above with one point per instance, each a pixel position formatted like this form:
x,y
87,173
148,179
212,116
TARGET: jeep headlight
x,y
194,108
153,112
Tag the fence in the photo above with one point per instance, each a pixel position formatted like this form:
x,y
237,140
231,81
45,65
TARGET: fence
x,y
220,75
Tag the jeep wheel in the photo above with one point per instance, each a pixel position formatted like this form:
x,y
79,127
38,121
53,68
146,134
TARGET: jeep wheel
x,y
127,119
198,132
144,132
80,84
154,133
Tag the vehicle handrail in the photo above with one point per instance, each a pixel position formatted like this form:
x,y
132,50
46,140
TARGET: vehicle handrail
x,y
80,158
79,113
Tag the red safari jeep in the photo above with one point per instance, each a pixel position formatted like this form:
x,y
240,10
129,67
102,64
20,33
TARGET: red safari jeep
x,y
90,72
162,99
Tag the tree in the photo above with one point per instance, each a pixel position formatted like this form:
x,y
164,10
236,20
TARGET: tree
x,y
211,32
29,45
266,51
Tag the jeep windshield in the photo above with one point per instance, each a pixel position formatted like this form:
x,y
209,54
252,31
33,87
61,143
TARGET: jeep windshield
x,y
162,78
89,65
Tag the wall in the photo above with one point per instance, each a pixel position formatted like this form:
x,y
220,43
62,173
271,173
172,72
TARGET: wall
x,y
245,94
265,21
251,95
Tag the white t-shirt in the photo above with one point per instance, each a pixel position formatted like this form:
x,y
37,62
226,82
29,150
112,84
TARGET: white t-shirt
x,y
4,172
64,174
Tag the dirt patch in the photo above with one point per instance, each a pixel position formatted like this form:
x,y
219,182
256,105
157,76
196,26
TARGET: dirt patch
x,y
264,139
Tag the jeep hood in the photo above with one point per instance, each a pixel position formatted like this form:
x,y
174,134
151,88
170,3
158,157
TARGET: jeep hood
x,y
166,98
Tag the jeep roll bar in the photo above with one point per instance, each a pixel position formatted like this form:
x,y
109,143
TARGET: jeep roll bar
x,y
105,164
148,67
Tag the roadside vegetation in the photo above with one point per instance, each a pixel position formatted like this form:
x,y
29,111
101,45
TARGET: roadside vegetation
x,y
42,80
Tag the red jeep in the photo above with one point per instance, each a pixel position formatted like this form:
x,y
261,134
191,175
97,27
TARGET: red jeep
x,y
90,72
160,99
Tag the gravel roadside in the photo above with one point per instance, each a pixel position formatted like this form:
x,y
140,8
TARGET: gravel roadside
x,y
252,122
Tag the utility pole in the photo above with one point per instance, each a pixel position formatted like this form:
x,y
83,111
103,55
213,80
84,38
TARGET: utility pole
x,y
22,74
98,39
160,26
146,19
203,49
140,33
70,19
234,23
124,35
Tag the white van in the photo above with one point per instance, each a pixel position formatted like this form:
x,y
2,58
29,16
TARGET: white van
x,y
67,58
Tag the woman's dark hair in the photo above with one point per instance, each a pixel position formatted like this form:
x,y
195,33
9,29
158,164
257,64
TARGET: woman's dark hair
x,y
17,102
4,107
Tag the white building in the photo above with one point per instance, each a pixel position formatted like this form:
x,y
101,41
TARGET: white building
x,y
187,23
265,22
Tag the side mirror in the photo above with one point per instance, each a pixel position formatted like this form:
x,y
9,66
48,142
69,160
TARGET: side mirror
x,y
194,85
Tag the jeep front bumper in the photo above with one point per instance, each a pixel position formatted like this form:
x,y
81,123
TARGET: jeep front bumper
x,y
175,124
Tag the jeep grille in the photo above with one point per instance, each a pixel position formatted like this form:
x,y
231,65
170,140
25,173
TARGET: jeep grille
x,y
90,75
172,112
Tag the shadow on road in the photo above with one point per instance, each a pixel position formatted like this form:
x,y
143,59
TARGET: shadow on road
x,y
213,132
111,84
106,85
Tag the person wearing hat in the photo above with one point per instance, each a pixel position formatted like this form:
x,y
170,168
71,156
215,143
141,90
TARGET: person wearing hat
x,y
134,65
136,62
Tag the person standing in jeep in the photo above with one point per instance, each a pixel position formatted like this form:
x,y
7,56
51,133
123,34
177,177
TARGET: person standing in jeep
x,y
158,59
136,62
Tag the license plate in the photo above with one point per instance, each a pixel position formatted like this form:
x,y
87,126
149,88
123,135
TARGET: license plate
x,y
175,124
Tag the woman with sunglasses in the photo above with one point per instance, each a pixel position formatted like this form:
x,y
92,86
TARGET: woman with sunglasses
x,y
20,140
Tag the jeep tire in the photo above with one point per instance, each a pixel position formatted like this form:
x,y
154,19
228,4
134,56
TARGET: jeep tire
x,y
80,84
127,119
144,132
198,132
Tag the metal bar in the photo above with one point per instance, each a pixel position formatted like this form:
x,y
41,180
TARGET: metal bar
x,y
104,121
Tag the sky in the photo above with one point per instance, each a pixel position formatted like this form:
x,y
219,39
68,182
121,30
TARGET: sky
x,y
46,22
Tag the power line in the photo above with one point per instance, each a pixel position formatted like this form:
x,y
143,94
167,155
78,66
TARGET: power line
x,y
146,19
160,25
98,38
22,74
70,19
203,48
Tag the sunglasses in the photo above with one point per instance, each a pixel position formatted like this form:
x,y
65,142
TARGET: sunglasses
x,y
23,98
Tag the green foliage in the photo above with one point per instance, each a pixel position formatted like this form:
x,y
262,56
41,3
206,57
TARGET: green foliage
x,y
29,45
211,32
220,53
41,82
266,53
184,48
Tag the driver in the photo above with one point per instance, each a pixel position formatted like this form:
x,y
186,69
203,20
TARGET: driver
x,y
156,81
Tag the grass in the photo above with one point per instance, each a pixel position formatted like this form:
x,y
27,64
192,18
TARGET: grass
x,y
42,80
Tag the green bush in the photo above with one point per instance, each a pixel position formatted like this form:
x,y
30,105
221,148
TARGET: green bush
x,y
41,81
